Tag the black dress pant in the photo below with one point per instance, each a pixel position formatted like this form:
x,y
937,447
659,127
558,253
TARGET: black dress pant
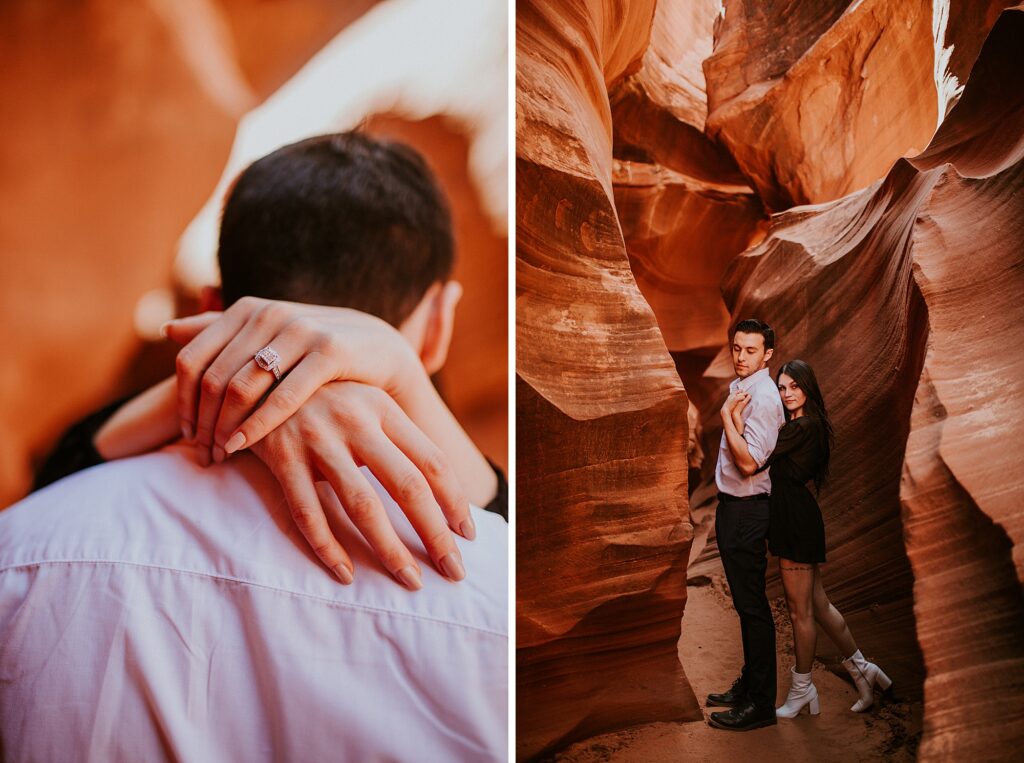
x,y
742,531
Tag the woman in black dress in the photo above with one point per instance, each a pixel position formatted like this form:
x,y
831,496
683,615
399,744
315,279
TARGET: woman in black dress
x,y
796,536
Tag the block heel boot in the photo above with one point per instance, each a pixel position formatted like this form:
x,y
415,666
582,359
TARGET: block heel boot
x,y
865,675
802,696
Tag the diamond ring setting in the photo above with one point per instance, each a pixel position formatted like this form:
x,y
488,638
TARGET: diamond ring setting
x,y
268,360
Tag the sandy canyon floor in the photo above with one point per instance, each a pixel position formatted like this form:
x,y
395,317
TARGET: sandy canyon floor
x,y
889,731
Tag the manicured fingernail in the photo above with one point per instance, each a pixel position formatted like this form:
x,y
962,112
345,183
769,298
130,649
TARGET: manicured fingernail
x,y
236,441
410,578
451,566
218,454
163,329
467,529
344,574
186,431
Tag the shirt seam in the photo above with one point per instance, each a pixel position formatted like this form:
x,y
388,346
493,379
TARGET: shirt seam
x,y
262,586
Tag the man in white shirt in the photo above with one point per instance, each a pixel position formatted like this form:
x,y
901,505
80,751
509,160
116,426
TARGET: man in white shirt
x,y
153,609
741,525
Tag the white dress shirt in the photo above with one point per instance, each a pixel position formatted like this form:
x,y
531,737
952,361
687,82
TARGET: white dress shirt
x,y
763,417
151,609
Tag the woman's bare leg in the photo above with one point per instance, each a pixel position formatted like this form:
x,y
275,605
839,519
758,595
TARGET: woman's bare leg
x,y
798,584
830,619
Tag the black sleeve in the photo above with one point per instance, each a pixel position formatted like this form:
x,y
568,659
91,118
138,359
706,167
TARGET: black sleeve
x,y
499,504
791,437
75,451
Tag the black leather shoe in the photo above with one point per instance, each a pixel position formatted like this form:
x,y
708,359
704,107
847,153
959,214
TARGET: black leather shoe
x,y
744,718
737,695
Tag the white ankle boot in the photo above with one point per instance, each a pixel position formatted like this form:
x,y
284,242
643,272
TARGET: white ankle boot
x,y
801,694
865,674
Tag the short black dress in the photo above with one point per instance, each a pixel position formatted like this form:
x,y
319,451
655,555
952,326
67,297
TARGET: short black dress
x,y
796,530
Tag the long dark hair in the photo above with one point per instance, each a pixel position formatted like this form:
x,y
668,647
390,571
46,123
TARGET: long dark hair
x,y
801,372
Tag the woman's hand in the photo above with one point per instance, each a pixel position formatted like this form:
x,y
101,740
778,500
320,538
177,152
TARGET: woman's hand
x,y
221,389
732,409
737,399
733,424
343,426
220,385
731,402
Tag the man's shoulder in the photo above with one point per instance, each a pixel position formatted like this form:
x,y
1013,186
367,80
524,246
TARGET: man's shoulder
x,y
118,500
765,390
161,577
164,513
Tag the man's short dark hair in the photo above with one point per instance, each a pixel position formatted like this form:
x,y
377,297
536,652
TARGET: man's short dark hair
x,y
754,326
345,220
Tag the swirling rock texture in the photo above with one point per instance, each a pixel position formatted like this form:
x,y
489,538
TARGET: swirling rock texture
x,y
600,410
667,170
899,280
961,480
816,100
780,74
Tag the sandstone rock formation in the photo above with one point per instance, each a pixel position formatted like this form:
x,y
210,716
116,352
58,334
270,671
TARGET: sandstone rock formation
x,y
775,106
899,281
601,570
684,207
961,481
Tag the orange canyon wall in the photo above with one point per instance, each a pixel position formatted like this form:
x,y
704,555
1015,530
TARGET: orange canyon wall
x,y
850,173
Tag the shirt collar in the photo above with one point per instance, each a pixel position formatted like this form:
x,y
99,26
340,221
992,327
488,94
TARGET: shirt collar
x,y
748,382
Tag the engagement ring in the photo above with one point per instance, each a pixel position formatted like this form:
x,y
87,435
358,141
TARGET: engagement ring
x,y
267,359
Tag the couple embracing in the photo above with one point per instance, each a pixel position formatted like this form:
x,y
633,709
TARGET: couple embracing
x,y
777,437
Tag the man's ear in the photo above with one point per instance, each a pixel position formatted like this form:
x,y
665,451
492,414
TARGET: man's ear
x,y
210,298
437,334
768,355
